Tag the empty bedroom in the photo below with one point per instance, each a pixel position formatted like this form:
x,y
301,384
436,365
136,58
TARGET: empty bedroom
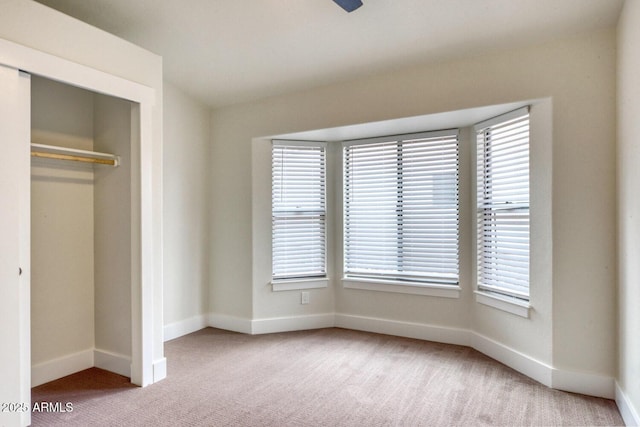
x,y
320,212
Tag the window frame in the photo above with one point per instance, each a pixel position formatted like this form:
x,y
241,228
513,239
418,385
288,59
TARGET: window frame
x,y
501,297
307,281
402,282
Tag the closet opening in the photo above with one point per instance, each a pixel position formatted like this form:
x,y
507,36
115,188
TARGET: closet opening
x,y
82,271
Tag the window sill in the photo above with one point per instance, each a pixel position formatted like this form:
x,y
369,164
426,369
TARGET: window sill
x,y
428,289
296,284
504,303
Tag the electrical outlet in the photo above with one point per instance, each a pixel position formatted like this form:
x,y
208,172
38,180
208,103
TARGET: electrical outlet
x,y
304,297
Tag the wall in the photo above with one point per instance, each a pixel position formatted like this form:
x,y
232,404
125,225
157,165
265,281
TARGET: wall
x,y
186,206
62,286
629,211
33,25
574,305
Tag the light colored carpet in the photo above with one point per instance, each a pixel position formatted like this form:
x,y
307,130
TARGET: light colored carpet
x,y
326,377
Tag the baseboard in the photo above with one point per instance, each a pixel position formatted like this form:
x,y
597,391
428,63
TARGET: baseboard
x,y
514,359
159,369
584,383
292,323
506,355
576,382
629,413
61,367
229,323
184,327
420,331
112,362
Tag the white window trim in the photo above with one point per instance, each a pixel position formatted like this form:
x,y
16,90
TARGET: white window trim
x,y
297,284
413,288
503,302
283,284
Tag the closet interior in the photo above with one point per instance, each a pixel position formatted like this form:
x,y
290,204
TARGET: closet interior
x,y
81,269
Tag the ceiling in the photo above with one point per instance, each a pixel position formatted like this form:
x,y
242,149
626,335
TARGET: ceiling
x,y
225,52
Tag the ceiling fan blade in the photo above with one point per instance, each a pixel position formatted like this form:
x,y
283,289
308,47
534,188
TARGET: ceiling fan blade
x,y
349,5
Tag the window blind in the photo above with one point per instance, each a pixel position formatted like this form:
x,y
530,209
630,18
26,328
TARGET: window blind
x,y
401,208
503,204
298,210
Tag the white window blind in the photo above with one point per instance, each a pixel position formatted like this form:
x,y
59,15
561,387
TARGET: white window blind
x,y
298,210
503,204
401,208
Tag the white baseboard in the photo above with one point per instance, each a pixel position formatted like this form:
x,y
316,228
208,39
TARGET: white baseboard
x,y
159,369
514,359
112,362
229,323
292,323
576,382
506,355
584,383
420,331
630,414
61,367
184,327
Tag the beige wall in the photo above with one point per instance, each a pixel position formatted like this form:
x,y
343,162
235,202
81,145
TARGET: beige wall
x,y
186,203
629,201
573,320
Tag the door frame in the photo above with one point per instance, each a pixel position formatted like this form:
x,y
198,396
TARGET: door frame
x,y
145,285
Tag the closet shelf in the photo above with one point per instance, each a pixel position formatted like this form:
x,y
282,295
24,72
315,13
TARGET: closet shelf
x,y
72,154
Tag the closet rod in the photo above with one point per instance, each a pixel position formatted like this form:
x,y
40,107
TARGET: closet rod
x,y
63,153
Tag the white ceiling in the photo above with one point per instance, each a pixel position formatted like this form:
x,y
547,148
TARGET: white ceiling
x,y
231,51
